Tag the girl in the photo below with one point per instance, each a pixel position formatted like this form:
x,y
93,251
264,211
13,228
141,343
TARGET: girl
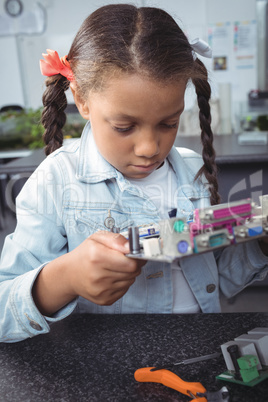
x,y
128,69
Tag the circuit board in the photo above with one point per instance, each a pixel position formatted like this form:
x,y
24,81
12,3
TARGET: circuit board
x,y
212,228
230,377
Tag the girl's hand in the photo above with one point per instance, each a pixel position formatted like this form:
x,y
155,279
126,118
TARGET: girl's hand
x,y
97,270
101,272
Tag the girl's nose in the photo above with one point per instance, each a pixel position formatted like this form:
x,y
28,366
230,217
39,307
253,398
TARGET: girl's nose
x,y
147,145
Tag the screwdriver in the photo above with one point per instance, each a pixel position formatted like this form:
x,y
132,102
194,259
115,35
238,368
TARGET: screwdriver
x,y
189,361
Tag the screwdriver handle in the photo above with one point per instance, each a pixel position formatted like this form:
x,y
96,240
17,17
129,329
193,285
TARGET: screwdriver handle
x,y
234,353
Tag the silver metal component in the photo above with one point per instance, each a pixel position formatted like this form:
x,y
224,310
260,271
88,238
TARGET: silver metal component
x,y
219,396
241,232
115,229
192,360
134,239
202,241
213,239
109,222
208,214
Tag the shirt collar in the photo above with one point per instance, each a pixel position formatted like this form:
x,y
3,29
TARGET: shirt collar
x,y
186,164
92,167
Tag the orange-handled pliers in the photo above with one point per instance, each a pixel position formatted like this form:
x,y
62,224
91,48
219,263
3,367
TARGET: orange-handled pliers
x,y
194,390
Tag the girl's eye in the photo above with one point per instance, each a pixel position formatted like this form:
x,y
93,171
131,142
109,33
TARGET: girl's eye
x,y
122,129
170,125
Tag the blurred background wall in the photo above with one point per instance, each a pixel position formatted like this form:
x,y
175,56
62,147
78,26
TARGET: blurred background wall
x,y
230,27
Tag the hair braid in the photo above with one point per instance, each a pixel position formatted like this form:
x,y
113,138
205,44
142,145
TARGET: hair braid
x,y
209,169
53,115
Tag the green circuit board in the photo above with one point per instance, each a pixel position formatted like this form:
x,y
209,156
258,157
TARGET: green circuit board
x,y
229,376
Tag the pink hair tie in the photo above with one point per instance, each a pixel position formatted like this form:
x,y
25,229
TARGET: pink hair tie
x,y
53,65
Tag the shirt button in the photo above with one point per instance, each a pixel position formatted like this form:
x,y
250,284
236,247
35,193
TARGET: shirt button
x,y
211,287
35,325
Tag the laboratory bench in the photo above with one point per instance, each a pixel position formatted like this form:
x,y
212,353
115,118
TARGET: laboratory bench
x,y
93,358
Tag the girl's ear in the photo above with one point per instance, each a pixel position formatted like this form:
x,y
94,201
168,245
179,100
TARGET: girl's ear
x,y
81,105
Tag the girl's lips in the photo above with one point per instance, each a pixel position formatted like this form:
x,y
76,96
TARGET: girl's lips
x,y
146,167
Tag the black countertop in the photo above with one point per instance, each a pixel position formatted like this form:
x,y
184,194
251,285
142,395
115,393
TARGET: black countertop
x,y
25,164
94,357
228,149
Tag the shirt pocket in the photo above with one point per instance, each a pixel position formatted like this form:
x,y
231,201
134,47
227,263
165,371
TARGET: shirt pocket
x,y
93,217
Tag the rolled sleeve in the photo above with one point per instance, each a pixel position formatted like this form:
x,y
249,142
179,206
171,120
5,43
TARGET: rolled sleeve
x,y
22,318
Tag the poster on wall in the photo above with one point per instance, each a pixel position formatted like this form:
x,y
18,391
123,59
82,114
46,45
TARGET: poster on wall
x,y
234,52
220,40
234,45
245,49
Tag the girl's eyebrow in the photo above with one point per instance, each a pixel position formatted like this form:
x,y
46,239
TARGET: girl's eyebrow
x,y
129,117
122,116
179,112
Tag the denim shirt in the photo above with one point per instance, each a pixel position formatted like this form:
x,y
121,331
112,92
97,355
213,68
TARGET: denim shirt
x,y
68,198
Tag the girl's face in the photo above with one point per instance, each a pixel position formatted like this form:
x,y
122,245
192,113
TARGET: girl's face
x,y
135,121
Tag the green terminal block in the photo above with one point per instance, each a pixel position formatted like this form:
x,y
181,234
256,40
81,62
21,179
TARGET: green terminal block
x,y
248,370
248,367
